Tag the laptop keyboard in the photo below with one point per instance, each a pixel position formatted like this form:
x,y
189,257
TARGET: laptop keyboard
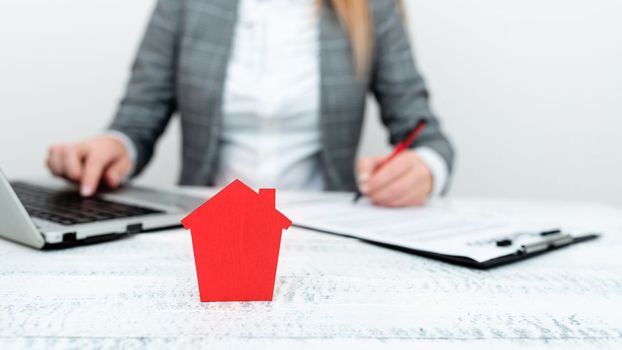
x,y
69,208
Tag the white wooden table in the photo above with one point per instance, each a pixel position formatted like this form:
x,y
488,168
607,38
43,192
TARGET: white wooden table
x,y
141,292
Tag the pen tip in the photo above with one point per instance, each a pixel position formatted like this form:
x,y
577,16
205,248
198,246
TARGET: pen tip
x,y
357,197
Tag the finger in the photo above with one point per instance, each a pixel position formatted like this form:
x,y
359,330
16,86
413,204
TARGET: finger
x,y
115,173
420,191
416,198
395,191
93,169
73,162
393,170
54,161
366,166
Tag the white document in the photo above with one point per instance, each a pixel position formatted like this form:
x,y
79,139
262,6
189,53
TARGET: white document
x,y
435,228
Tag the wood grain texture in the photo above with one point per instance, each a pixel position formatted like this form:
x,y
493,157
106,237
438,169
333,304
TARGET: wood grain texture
x,y
330,292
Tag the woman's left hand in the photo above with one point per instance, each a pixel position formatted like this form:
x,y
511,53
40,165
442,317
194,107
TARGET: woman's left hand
x,y
404,181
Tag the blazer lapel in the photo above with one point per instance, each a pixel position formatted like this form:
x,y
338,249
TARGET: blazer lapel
x,y
209,31
334,55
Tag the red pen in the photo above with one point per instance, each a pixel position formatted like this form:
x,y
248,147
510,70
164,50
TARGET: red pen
x,y
404,145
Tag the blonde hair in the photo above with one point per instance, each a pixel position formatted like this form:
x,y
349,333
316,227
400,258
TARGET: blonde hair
x,y
356,18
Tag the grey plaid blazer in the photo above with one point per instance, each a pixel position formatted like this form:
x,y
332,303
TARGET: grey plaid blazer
x,y
181,66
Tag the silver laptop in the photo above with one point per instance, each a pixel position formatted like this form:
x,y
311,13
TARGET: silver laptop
x,y
52,214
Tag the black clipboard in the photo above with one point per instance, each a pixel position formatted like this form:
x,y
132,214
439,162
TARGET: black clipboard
x,y
550,241
521,254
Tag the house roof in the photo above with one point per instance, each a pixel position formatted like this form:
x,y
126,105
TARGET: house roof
x,y
241,190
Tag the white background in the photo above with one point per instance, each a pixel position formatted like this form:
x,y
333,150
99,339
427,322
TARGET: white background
x,y
529,90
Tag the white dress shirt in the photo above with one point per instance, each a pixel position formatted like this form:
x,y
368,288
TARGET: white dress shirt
x,y
271,101
271,131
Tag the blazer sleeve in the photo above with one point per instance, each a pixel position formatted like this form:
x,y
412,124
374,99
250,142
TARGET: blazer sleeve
x,y
398,86
149,100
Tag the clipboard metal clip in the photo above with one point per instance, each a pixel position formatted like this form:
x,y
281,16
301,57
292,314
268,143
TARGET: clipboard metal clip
x,y
553,241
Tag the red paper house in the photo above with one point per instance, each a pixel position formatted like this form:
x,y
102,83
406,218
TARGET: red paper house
x,y
236,237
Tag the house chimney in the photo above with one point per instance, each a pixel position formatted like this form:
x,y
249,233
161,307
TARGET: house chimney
x,y
268,196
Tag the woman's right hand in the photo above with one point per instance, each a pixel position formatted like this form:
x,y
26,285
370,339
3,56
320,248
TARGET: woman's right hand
x,y
90,161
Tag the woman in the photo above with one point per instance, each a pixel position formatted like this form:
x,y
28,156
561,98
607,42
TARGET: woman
x,y
272,92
